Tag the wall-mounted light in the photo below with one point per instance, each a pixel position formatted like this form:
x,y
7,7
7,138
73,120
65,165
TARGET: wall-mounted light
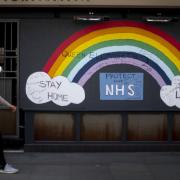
x,y
91,18
160,19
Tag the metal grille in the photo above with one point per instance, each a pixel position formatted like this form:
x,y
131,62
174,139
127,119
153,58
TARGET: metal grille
x,y
8,61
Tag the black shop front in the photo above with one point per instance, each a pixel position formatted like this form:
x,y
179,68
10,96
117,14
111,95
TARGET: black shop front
x,y
97,79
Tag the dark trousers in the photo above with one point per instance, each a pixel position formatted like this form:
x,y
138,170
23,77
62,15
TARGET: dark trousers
x,y
2,158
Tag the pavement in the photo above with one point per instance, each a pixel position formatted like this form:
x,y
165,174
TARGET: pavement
x,y
94,166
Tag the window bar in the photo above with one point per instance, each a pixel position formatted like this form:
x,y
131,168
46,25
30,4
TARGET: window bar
x,y
5,27
4,74
11,36
11,59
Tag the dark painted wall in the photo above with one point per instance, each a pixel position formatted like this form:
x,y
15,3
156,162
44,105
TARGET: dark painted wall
x,y
40,36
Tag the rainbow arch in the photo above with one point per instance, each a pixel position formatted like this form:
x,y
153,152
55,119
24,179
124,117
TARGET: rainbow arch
x,y
130,61
128,42
121,58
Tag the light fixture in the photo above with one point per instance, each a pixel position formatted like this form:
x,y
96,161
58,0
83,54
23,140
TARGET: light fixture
x,y
1,69
91,18
160,19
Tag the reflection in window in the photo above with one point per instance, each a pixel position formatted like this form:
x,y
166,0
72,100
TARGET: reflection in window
x,y
176,130
53,127
147,127
101,127
7,122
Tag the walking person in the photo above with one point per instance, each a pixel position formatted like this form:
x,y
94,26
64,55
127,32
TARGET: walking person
x,y
4,166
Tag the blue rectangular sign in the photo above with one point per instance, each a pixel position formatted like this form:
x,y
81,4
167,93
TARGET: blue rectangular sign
x,y
121,86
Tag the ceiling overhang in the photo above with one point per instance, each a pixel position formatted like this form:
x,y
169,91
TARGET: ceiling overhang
x,y
91,3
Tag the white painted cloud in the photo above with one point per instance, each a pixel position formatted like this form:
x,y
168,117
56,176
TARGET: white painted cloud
x,y
170,94
40,88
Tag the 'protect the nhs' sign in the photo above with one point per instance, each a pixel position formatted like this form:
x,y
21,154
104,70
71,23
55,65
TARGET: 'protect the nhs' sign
x,y
121,86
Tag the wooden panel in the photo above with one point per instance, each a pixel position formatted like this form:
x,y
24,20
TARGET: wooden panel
x,y
53,127
101,127
147,127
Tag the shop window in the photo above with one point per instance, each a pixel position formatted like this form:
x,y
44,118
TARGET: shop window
x,y
176,129
53,127
7,122
147,127
101,127
8,75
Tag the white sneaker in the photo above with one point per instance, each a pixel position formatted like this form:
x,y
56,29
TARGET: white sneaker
x,y
8,169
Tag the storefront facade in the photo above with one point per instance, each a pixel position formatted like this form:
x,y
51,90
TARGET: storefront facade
x,y
96,79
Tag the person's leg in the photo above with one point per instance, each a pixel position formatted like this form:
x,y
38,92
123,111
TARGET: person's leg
x,y
4,167
2,158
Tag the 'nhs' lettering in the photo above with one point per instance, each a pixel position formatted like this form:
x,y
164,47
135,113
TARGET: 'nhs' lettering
x,y
117,90
121,86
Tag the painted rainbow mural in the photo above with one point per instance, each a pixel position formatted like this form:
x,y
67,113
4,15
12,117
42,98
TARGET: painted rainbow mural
x,y
116,42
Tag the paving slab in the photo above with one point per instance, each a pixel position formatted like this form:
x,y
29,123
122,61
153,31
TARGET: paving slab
x,y
94,166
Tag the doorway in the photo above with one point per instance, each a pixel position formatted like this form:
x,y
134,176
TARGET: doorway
x,y
9,56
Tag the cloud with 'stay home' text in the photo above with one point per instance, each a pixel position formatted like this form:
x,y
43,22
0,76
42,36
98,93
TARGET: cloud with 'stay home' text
x,y
40,89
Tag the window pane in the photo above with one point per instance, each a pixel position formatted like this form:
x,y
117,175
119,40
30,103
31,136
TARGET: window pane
x,y
53,127
101,127
7,122
147,127
176,130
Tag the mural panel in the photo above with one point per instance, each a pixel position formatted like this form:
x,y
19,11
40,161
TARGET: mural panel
x,y
86,55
